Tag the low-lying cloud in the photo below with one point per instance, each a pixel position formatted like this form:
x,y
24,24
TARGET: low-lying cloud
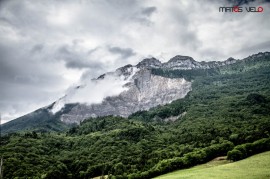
x,y
91,91
123,52
46,46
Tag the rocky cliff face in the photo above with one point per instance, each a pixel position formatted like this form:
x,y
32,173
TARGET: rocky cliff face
x,y
183,63
143,90
149,63
187,63
127,90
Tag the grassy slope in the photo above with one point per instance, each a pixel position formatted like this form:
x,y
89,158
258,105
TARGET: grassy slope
x,y
255,167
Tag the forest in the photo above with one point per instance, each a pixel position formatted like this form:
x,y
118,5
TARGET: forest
x,y
227,113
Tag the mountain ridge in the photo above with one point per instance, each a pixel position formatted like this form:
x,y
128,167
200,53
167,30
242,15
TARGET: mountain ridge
x,y
139,80
180,62
226,113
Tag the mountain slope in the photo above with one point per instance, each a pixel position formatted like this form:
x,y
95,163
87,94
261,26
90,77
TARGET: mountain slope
x,y
146,91
148,84
228,106
41,120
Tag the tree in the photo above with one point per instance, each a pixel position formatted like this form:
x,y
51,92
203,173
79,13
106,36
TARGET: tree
x,y
235,155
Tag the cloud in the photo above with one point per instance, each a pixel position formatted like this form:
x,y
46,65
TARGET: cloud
x,y
47,46
90,91
241,2
123,52
75,59
37,48
148,11
254,48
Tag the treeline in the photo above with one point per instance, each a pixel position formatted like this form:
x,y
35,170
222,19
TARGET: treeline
x,y
245,150
198,156
160,113
220,112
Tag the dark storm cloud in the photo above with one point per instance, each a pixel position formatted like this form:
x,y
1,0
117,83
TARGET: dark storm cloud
x,y
142,15
45,46
25,84
36,37
123,52
242,2
74,59
183,33
16,69
148,11
75,63
37,48
91,51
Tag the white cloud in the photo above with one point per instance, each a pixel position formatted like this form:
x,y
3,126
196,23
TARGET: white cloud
x,y
91,91
98,36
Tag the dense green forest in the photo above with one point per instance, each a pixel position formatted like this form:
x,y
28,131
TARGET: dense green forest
x,y
226,113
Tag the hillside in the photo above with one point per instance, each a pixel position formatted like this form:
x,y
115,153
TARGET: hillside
x,y
148,84
228,106
256,166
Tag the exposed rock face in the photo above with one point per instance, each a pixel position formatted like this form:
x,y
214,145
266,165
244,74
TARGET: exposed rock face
x,y
139,90
187,63
144,92
182,63
256,56
149,63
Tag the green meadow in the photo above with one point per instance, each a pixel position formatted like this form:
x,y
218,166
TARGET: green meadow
x,y
254,167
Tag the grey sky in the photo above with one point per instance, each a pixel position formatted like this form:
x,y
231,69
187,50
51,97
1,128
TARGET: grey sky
x,y
46,46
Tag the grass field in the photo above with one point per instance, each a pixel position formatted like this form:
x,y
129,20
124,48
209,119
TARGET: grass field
x,y
255,167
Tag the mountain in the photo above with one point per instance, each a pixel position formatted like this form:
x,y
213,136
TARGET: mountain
x,y
226,113
182,63
144,91
148,84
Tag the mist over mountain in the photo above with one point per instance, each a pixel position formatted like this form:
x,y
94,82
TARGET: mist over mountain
x,y
134,89
47,46
126,90
158,117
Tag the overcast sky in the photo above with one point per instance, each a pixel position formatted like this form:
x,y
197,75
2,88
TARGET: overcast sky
x,y
47,45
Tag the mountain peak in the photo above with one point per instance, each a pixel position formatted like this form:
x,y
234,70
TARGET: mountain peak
x,y
231,59
258,55
181,58
149,62
182,62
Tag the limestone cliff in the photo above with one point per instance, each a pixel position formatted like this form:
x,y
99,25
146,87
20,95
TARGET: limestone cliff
x,y
144,91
